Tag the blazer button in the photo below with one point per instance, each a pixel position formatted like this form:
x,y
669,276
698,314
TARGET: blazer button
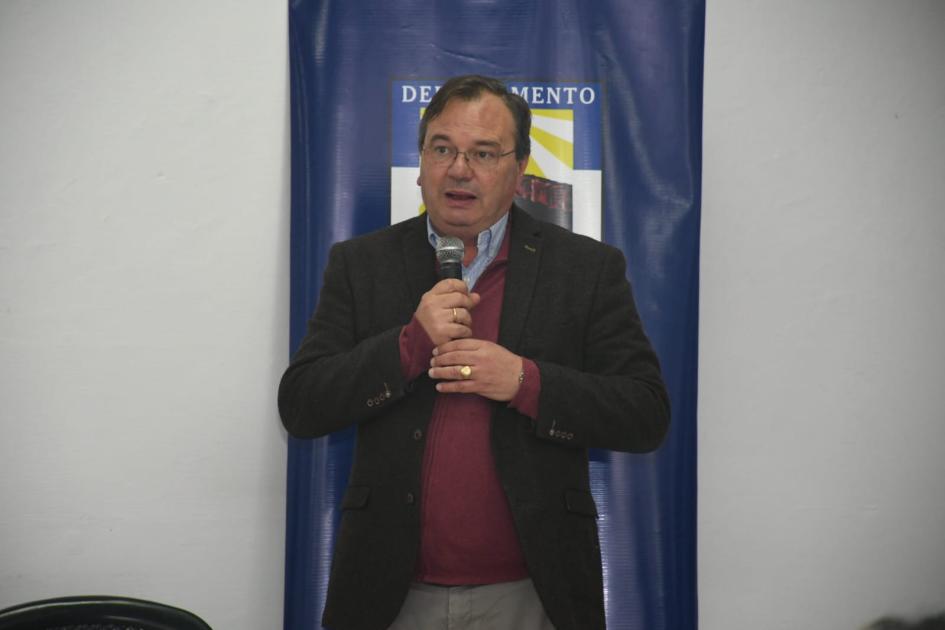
x,y
370,403
410,498
417,434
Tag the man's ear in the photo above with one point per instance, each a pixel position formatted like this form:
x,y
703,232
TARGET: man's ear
x,y
522,165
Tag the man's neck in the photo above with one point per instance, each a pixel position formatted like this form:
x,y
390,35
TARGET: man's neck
x,y
469,252
470,242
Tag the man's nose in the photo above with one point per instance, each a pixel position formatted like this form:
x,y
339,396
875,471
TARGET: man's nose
x,y
460,167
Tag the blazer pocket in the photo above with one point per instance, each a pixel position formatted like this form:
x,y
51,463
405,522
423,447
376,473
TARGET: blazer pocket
x,y
580,502
356,497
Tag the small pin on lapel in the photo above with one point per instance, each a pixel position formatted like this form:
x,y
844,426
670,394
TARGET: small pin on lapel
x,y
531,249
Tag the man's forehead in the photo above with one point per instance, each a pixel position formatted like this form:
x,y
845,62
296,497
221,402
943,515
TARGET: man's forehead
x,y
486,112
446,137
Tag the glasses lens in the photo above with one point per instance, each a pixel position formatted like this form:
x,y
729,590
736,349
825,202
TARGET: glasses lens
x,y
479,158
441,154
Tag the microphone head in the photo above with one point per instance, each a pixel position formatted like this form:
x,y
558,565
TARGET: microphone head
x,y
450,249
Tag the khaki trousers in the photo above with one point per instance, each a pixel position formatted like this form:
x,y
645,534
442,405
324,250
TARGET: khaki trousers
x,y
503,606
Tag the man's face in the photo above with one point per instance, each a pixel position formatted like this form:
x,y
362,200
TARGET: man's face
x,y
463,200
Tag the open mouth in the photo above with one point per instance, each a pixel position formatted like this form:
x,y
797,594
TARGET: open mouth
x,y
460,195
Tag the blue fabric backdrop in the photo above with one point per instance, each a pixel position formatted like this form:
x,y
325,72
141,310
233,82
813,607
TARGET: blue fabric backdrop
x,y
645,58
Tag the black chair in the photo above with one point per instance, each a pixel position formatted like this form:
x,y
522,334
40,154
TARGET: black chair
x,y
98,612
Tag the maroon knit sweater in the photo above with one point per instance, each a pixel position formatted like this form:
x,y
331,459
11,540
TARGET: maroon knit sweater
x,y
467,535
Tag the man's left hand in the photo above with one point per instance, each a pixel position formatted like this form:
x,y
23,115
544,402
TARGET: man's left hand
x,y
492,371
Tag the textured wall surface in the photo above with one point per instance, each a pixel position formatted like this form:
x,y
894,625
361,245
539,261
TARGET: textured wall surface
x,y
144,303
822,406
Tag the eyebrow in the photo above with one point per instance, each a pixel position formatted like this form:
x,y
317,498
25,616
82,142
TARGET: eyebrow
x,y
477,143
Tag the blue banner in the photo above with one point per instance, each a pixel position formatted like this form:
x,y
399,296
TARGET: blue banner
x,y
616,93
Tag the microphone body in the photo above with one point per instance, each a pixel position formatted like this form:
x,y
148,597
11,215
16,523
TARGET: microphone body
x,y
449,253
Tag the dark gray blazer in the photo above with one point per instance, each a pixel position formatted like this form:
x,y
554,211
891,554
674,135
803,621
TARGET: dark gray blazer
x,y
568,307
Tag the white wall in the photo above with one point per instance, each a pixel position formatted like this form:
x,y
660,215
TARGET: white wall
x,y
144,295
822,368
144,303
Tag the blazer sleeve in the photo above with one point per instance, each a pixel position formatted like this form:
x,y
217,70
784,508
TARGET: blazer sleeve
x,y
340,375
615,399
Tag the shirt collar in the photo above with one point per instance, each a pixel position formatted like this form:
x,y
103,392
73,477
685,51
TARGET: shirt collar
x,y
488,241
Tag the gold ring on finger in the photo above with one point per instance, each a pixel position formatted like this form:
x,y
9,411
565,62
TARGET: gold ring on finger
x,y
465,372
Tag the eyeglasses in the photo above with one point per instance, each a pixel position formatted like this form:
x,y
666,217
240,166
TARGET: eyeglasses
x,y
483,159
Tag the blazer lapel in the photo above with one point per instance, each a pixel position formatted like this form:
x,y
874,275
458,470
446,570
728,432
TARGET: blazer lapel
x,y
419,260
525,251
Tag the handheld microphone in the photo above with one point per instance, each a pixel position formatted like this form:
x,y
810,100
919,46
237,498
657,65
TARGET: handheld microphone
x,y
449,253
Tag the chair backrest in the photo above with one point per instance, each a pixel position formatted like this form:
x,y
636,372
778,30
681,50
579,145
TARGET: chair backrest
x,y
98,612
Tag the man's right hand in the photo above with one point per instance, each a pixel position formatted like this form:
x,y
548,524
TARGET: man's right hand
x,y
445,311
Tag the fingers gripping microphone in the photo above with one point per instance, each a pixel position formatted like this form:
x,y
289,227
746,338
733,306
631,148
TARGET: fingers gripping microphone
x,y
449,253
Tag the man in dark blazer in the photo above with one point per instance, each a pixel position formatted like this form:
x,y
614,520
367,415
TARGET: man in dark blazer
x,y
475,409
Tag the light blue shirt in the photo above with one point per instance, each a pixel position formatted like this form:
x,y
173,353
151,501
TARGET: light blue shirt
x,y
487,248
